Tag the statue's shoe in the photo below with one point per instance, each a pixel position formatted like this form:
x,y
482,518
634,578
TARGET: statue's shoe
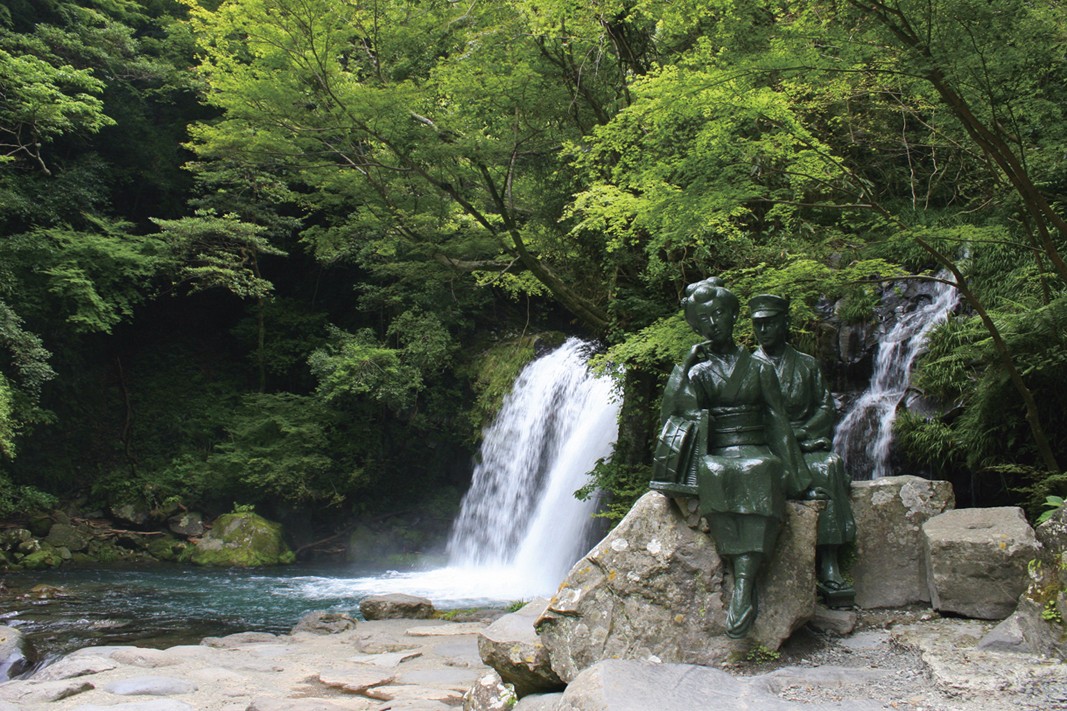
x,y
836,594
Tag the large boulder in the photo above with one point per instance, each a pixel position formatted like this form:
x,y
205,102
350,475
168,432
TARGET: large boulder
x,y
240,540
64,535
889,569
511,646
396,606
977,560
654,589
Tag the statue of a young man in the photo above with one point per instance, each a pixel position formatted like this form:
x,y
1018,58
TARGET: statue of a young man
x,y
810,408
730,442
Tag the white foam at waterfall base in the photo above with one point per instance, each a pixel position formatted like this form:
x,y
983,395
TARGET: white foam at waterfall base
x,y
520,528
864,436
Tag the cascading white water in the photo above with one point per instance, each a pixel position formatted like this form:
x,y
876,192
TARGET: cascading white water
x,y
864,435
520,512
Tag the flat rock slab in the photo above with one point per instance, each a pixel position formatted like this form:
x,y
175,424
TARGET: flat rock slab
x,y
356,680
621,685
950,653
386,660
150,686
271,704
147,658
154,705
452,629
71,667
270,673
239,639
43,692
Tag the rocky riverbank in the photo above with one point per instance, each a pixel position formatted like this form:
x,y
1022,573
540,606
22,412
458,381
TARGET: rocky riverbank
x,y
908,660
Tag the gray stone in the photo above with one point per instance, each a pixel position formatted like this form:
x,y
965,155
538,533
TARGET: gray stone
x,y
272,704
63,535
321,622
44,692
396,606
977,560
74,666
143,657
780,681
239,639
653,590
1008,636
153,705
189,524
627,685
949,653
489,693
834,621
356,679
13,653
449,629
150,686
539,702
787,592
386,660
511,647
890,565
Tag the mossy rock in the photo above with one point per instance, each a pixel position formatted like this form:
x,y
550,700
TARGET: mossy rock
x,y
240,540
168,548
46,557
63,535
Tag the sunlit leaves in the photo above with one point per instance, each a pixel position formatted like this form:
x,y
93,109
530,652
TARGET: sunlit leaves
x,y
40,101
218,251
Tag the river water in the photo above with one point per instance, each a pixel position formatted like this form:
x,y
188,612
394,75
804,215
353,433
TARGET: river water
x,y
168,605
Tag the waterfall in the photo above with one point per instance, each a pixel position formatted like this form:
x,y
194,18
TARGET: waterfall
x,y
865,433
520,512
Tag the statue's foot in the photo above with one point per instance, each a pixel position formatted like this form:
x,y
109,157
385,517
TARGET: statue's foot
x,y
836,595
741,612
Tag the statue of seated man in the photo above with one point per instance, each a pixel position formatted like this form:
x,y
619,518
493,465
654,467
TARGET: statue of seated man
x,y
810,409
727,439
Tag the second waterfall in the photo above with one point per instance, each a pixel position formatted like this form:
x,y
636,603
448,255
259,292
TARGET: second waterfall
x,y
520,512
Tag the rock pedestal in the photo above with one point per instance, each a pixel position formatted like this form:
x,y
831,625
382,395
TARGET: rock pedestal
x,y
977,560
890,564
655,589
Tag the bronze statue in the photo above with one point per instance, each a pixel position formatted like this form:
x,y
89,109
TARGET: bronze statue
x,y
727,439
810,409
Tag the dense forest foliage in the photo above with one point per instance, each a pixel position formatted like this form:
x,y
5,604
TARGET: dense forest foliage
x,y
282,252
